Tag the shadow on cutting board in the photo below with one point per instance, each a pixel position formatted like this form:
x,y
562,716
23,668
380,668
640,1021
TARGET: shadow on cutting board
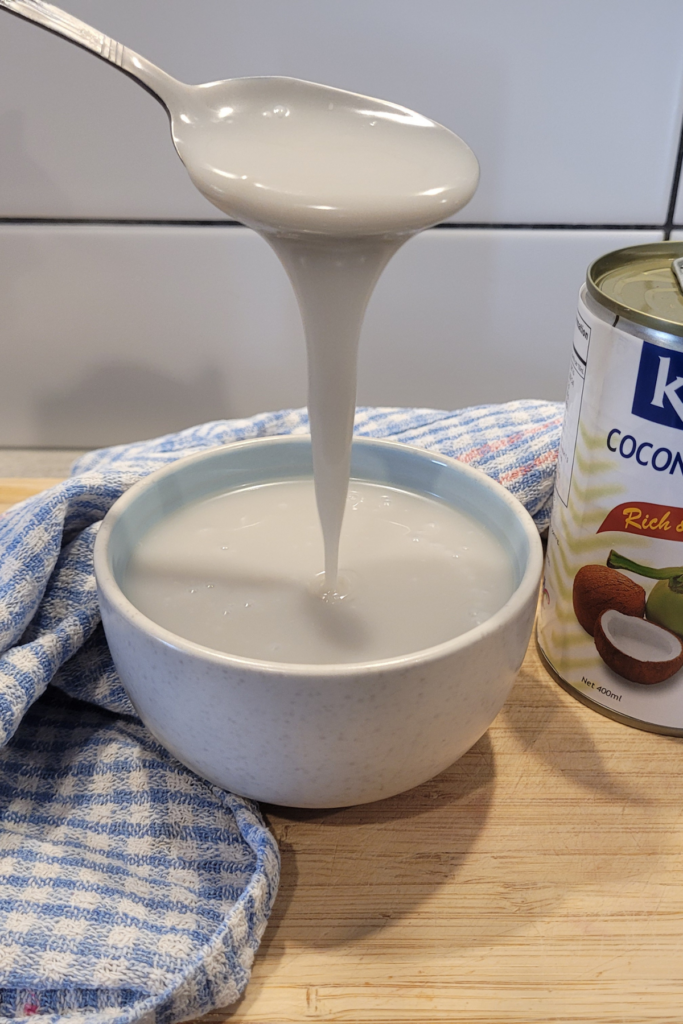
x,y
352,871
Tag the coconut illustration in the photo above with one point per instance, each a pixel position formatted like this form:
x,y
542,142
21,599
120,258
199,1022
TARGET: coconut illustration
x,y
639,650
597,588
665,603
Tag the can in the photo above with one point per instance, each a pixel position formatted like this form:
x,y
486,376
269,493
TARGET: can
x,y
610,623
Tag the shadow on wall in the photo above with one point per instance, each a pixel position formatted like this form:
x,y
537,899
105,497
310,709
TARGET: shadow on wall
x,y
122,402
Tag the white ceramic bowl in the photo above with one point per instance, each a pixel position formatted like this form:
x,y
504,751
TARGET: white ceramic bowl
x,y
316,735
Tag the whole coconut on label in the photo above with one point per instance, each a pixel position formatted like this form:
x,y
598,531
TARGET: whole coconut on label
x,y
665,605
665,602
598,588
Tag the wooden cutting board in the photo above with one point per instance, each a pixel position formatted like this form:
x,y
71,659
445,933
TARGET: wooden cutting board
x,y
16,488
539,879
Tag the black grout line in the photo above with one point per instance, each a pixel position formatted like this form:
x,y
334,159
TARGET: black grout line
x,y
448,226
550,227
670,213
115,221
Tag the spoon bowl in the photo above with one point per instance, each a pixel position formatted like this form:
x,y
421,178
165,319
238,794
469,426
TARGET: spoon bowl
x,y
285,154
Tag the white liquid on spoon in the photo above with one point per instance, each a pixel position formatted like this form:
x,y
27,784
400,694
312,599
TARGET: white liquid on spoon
x,y
336,183
237,573
321,160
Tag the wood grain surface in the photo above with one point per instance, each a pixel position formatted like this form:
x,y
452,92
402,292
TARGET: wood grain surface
x,y
539,879
16,488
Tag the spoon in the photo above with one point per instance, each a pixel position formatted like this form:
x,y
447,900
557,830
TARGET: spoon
x,y
284,155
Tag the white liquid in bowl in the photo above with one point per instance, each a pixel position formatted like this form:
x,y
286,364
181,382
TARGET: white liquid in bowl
x,y
239,572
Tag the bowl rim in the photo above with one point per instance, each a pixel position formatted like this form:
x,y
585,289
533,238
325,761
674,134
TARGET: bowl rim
x,y
527,588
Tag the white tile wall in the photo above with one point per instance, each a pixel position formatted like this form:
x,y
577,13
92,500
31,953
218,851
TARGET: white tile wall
x,y
573,106
471,316
116,333
110,332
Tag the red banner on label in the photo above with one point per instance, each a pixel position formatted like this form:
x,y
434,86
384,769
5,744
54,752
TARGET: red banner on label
x,y
646,519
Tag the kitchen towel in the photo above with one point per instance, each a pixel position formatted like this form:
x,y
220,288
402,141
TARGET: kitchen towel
x,y
129,887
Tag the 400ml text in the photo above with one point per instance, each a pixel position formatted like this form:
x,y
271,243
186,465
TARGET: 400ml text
x,y
600,689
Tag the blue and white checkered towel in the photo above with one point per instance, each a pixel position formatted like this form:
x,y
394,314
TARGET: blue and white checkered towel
x,y
129,886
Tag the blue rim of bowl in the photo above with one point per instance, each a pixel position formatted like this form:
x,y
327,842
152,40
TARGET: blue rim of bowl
x,y
526,590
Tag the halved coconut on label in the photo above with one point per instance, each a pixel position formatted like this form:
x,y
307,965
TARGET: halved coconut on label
x,y
637,649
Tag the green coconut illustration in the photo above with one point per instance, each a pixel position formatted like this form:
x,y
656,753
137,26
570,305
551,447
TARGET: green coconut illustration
x,y
664,605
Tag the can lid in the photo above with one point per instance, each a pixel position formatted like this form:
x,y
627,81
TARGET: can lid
x,y
640,284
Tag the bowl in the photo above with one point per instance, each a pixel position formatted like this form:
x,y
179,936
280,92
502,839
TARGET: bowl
x,y
316,735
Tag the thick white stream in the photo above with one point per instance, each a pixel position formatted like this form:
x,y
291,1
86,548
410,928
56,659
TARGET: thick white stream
x,y
333,279
336,183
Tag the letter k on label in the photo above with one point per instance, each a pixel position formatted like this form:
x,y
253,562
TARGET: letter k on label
x,y
670,390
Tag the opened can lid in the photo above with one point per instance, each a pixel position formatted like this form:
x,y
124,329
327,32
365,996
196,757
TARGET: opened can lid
x,y
639,283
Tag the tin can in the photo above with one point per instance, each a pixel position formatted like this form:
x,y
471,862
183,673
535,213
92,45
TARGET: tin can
x,y
611,619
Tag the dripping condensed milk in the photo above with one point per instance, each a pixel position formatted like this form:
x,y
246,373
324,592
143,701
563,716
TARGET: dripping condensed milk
x,y
611,620
336,183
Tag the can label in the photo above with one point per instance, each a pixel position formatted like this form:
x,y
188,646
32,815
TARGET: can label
x,y
611,617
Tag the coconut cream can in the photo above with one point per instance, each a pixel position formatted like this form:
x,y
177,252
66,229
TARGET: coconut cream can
x,y
610,624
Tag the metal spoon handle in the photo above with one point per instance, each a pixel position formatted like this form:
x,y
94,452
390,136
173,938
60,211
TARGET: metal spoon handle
x,y
156,81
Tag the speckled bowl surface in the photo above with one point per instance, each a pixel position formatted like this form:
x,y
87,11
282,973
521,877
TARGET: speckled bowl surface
x,y
316,735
